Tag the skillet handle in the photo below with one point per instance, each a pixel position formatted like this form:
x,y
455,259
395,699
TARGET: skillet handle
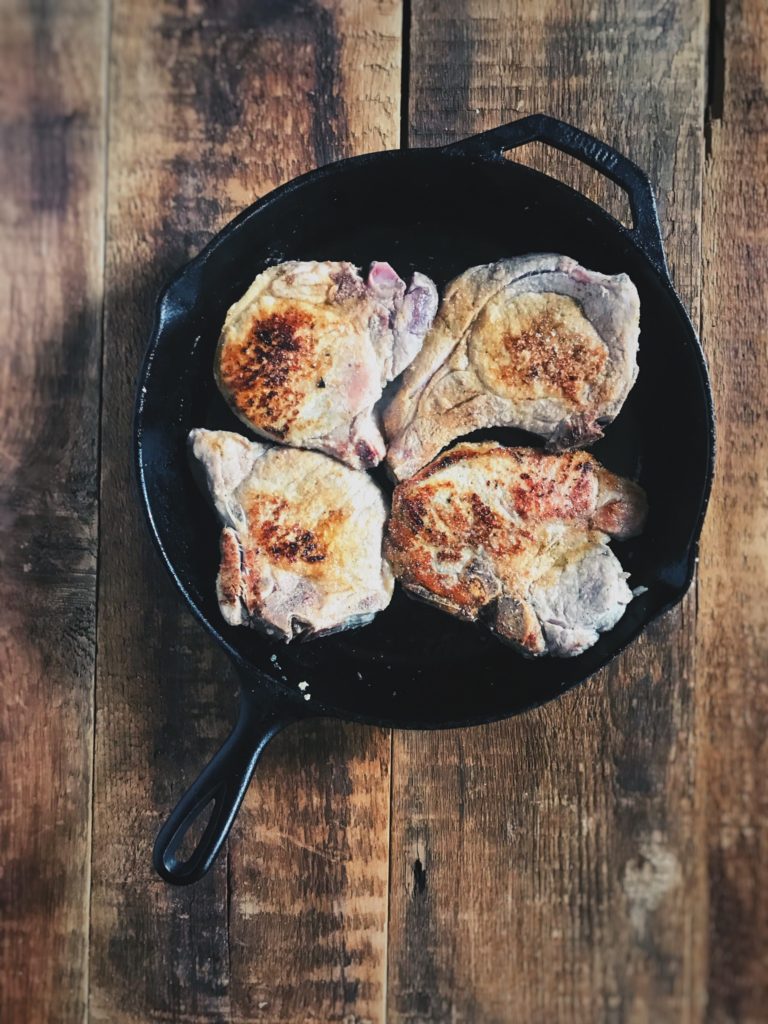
x,y
542,128
224,782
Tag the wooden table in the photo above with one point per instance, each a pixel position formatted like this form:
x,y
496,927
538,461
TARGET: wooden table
x,y
604,859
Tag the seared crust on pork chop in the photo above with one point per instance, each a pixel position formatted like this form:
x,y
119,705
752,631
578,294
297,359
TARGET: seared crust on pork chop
x,y
519,539
304,355
536,342
301,544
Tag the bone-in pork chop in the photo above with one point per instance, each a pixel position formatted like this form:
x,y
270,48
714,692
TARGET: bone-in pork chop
x,y
304,355
535,342
518,539
301,544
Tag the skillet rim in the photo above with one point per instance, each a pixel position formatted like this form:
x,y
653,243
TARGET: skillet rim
x,y
168,306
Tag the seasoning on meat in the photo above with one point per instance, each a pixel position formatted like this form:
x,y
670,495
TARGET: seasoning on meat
x,y
517,538
301,541
304,355
536,342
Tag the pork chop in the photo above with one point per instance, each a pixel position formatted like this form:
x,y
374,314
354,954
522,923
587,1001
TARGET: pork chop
x,y
518,539
536,342
301,544
304,355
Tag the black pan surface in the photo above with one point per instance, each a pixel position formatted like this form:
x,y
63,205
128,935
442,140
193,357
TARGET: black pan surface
x,y
438,211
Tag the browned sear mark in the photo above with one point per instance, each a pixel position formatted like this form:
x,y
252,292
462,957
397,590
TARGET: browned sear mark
x,y
257,369
485,519
548,350
229,568
301,546
276,528
443,462
414,509
421,523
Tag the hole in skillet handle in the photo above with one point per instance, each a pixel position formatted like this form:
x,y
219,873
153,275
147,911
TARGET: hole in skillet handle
x,y
224,783
645,231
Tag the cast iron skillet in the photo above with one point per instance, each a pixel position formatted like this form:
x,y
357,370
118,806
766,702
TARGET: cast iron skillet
x,y
439,211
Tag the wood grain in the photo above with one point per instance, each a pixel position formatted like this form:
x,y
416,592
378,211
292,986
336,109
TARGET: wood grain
x,y
52,60
602,859
212,105
309,855
732,626
547,869
309,873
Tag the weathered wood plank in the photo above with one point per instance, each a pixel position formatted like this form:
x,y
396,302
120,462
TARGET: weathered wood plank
x,y
309,873
309,857
732,633
546,869
51,221
212,105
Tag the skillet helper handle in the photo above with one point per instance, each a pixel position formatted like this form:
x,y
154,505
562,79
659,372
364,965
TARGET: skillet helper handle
x,y
224,782
602,157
